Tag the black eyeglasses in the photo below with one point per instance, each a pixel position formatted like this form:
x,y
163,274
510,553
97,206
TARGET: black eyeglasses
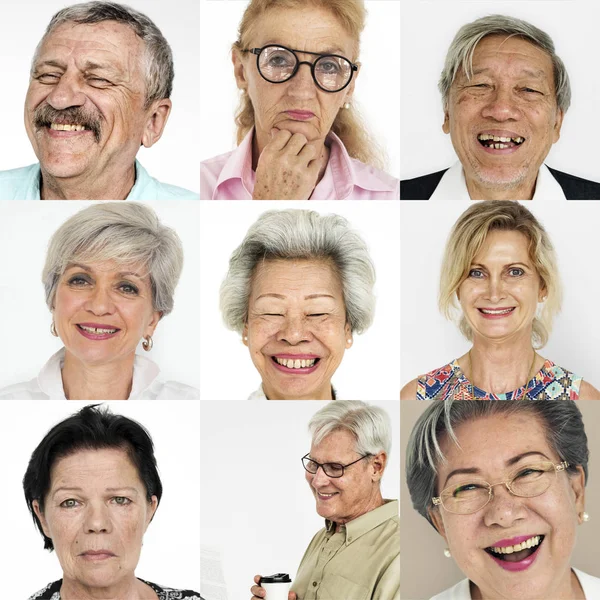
x,y
277,64
330,469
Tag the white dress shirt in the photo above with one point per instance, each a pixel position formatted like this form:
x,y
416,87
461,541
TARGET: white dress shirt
x,y
461,591
453,186
259,394
48,384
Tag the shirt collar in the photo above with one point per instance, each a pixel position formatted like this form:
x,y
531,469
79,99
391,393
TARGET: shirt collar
x,y
340,174
367,522
49,379
453,186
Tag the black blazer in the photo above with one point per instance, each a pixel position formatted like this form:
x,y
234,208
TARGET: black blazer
x,y
574,188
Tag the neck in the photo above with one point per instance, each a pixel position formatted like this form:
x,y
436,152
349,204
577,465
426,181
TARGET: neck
x,y
324,393
500,367
375,501
522,191
567,588
113,184
107,381
129,589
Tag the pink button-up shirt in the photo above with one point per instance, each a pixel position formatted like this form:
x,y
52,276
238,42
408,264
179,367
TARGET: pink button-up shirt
x,y
230,176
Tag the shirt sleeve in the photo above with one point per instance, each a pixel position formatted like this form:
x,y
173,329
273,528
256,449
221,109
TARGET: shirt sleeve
x,y
388,587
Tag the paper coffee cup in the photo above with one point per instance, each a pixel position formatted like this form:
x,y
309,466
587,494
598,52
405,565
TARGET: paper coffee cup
x,y
276,586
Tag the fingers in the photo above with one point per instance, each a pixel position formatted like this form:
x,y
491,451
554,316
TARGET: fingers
x,y
292,596
257,592
286,142
257,578
279,138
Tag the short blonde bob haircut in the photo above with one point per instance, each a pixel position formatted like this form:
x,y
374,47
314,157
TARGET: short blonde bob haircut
x,y
348,124
466,239
124,232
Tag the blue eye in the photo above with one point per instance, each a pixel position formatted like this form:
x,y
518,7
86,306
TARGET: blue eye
x,y
516,272
476,273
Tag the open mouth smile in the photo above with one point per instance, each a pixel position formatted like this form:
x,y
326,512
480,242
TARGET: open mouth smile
x,y
301,364
495,313
96,332
519,556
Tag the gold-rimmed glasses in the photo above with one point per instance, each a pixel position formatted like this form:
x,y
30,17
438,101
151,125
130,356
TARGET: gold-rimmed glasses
x,y
469,496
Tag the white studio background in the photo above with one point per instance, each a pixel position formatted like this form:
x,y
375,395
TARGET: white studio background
x,y
429,341
175,158
171,552
369,369
427,30
260,514
25,230
377,91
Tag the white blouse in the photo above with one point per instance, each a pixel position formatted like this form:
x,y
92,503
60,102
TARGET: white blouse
x,y
48,384
462,591
259,394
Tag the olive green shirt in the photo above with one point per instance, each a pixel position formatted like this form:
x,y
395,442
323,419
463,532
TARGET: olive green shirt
x,y
360,562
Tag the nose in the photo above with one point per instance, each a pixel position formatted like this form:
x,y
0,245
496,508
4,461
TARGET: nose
x,y
294,330
66,93
320,479
504,508
502,106
97,519
495,289
302,85
99,301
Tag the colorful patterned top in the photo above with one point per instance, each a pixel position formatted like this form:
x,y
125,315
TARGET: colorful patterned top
x,y
449,383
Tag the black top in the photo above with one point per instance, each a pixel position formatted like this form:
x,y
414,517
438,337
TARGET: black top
x,y
52,592
574,188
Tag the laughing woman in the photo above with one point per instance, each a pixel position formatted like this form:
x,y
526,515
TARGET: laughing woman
x,y
504,484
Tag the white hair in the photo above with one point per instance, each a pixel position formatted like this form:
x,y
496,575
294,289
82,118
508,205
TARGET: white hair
x,y
301,234
124,232
370,425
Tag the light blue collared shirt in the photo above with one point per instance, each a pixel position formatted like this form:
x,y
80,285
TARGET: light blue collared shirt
x,y
24,184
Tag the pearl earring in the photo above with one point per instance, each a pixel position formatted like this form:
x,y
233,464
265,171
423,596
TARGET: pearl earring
x,y
585,517
346,105
447,552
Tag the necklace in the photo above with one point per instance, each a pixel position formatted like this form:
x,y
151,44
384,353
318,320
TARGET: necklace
x,y
529,375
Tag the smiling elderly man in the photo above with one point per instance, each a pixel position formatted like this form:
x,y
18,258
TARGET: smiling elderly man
x,y
356,556
505,93
100,83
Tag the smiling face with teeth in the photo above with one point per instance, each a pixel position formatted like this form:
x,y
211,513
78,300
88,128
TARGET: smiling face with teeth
x,y
500,294
102,311
504,119
85,111
296,329
491,448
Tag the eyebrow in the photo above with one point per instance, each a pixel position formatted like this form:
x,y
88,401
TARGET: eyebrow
x,y
330,50
89,270
110,490
309,297
509,462
538,74
512,264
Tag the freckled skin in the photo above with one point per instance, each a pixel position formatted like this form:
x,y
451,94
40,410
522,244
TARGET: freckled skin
x,y
357,491
497,99
80,163
95,521
487,444
296,331
314,30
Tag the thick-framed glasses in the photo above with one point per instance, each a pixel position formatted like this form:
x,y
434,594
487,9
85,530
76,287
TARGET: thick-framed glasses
x,y
334,470
471,495
278,64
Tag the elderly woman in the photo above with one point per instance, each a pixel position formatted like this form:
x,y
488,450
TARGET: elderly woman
x,y
504,485
109,277
298,287
351,442
299,134
499,264
92,487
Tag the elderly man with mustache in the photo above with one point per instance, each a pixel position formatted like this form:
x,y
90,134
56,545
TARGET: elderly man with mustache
x,y
100,83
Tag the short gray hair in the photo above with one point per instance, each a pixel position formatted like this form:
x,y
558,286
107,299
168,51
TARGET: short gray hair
x,y
562,421
301,234
460,53
124,232
370,425
158,59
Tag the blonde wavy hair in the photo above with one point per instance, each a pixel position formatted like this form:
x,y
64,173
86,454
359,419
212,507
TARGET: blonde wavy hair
x,y
466,239
348,125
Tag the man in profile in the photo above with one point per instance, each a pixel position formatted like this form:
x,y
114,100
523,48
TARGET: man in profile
x,y
100,86
505,93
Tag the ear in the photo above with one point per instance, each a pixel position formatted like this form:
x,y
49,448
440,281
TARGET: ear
x,y
156,317
239,69
438,523
557,125
348,336
245,335
577,482
40,515
543,294
152,506
378,463
446,123
158,115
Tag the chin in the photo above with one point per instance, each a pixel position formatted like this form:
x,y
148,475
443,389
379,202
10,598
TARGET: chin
x,y
304,127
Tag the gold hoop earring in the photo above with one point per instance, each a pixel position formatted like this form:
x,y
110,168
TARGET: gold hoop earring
x,y
147,343
53,330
